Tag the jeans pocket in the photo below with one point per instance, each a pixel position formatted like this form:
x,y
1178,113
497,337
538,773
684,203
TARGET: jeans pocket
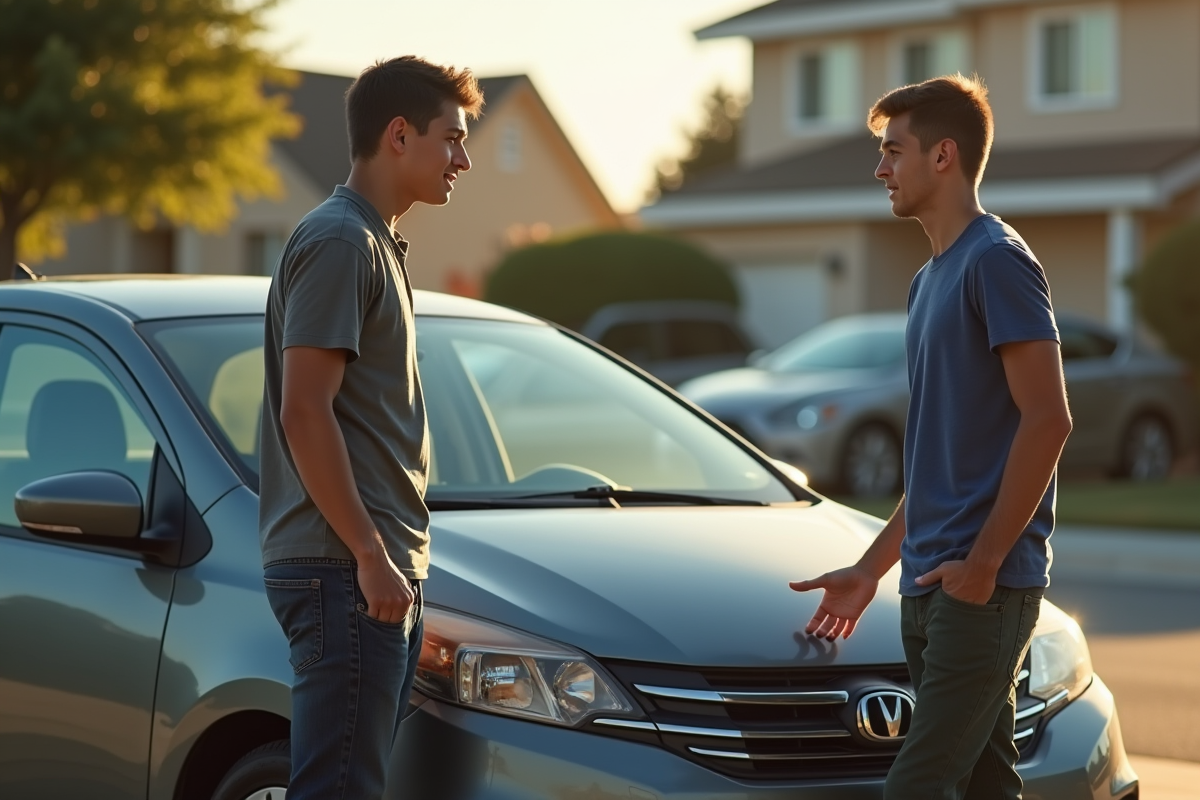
x,y
297,606
983,608
1031,609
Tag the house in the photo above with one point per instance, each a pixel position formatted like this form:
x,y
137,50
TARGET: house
x,y
526,183
1097,150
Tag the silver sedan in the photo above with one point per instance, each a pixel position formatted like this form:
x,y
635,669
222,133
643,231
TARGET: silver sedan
x,y
833,402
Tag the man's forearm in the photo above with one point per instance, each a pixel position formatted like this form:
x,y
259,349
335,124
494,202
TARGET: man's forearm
x,y
1031,460
318,449
884,552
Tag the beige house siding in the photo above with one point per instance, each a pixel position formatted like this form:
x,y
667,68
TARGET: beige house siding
x,y
1158,86
504,199
1158,67
895,251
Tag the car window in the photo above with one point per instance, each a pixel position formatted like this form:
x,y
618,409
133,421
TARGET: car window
x,y
220,362
695,338
636,341
835,347
1080,343
509,405
62,411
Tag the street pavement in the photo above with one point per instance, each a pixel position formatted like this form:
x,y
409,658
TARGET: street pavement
x,y
1136,594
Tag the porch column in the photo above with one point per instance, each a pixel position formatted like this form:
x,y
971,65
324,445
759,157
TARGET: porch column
x,y
1124,235
187,255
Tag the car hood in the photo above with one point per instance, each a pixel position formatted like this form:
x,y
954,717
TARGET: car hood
x,y
680,585
739,390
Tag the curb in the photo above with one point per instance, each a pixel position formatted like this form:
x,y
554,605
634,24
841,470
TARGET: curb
x,y
1128,556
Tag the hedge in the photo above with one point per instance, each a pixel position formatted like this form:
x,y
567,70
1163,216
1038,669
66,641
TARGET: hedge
x,y
568,280
1167,291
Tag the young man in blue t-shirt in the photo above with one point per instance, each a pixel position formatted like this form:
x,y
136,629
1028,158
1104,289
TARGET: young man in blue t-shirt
x,y
986,424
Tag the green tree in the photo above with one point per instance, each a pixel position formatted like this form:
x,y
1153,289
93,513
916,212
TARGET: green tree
x,y
1167,291
711,146
148,108
568,280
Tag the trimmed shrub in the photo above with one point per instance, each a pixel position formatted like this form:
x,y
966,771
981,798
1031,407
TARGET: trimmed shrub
x,y
1167,291
567,280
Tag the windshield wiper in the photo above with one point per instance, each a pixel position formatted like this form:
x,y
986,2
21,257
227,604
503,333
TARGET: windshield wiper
x,y
627,495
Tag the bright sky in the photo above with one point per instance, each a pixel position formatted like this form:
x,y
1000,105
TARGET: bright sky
x,y
624,78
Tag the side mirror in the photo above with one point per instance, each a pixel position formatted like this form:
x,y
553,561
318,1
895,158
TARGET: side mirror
x,y
94,504
795,474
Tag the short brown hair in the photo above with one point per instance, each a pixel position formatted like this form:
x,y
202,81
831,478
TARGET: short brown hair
x,y
950,107
408,87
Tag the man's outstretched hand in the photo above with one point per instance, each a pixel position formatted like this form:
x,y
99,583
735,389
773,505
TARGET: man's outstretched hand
x,y
848,592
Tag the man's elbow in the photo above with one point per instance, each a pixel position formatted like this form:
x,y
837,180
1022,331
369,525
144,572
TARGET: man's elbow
x,y
296,417
1058,425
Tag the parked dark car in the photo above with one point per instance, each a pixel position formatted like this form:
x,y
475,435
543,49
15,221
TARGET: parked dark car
x,y
833,402
674,340
608,611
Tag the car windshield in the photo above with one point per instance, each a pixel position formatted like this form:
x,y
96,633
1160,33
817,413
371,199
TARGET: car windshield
x,y
844,344
514,410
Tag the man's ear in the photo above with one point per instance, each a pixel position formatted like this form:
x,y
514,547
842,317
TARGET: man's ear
x,y
946,152
394,134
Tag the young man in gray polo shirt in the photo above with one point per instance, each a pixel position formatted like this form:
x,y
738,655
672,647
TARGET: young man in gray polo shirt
x,y
345,446
987,421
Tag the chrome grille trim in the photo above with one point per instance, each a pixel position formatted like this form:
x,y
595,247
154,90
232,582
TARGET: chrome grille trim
x,y
1022,675
700,751
1032,711
729,733
633,724
749,698
1025,734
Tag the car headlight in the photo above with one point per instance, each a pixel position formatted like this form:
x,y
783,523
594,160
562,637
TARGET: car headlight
x,y
1058,659
487,666
810,416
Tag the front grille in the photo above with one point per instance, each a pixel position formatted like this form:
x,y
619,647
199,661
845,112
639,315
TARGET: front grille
x,y
782,724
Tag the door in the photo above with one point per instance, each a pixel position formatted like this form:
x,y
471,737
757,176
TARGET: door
x,y
1091,392
80,627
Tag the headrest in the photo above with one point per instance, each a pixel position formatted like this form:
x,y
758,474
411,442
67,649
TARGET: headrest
x,y
75,425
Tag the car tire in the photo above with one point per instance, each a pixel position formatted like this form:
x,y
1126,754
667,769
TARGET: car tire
x,y
872,461
261,774
1147,449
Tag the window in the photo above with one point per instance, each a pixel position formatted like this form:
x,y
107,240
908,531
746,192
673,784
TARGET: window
x,y
513,409
696,338
636,341
220,364
839,345
62,411
824,88
1076,58
508,153
263,249
929,56
1080,343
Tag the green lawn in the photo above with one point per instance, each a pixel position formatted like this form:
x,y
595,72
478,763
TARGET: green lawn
x,y
1174,504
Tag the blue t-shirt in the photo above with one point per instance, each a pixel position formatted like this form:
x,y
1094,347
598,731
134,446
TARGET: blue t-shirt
x,y
986,290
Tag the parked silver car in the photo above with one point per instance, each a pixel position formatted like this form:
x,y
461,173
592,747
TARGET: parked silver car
x,y
833,402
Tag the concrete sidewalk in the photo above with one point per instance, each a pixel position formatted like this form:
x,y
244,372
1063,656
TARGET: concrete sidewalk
x,y
1128,556
1163,779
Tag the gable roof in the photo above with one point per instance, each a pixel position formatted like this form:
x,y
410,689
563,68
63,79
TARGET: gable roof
x,y
838,182
790,18
322,150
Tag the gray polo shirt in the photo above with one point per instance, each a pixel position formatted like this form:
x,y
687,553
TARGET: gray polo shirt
x,y
341,283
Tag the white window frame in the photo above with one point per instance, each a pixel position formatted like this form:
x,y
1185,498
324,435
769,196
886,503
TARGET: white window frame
x,y
934,36
1035,61
799,127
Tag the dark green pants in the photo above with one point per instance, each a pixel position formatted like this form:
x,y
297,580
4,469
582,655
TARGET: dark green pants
x,y
964,659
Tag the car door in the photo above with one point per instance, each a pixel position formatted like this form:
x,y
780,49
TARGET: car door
x,y
1091,392
80,626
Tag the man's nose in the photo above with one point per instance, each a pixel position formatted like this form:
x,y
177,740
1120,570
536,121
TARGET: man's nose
x,y
462,160
883,169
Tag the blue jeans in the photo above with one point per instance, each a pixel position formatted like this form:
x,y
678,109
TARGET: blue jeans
x,y
353,679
